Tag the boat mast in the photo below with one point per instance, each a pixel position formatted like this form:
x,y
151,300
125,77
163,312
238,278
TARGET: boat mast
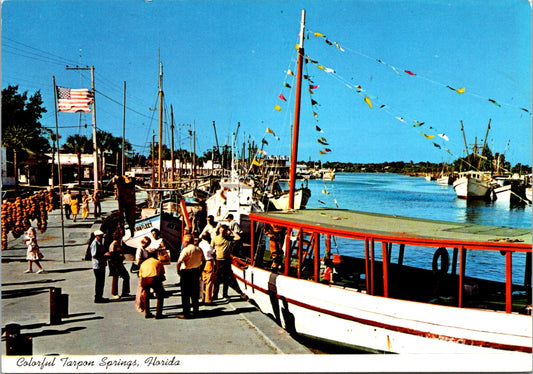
x,y
466,145
159,160
484,144
294,151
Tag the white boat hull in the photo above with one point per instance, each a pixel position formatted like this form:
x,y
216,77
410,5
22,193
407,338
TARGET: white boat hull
x,y
282,202
470,188
169,227
381,324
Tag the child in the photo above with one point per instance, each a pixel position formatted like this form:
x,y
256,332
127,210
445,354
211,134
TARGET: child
x,y
327,277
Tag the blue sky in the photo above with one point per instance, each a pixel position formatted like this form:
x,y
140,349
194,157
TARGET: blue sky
x,y
226,61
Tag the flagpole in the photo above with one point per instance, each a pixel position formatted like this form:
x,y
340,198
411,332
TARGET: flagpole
x,y
124,132
294,152
60,176
95,144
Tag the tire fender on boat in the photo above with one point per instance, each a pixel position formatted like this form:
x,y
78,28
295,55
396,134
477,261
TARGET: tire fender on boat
x,y
223,193
441,253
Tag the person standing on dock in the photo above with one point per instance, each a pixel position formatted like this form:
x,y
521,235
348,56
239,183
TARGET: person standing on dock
x,y
67,200
210,227
99,262
33,253
85,199
189,268
116,267
97,196
222,243
152,275
208,274
75,207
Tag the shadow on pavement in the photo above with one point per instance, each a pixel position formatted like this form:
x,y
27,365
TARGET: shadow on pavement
x,y
33,282
67,270
57,332
10,294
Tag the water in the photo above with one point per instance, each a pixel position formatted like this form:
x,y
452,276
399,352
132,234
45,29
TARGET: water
x,y
415,197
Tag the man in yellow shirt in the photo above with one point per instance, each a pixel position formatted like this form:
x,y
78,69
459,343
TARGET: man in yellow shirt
x,y
152,275
189,267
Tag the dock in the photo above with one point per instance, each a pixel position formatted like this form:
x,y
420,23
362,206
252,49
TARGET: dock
x,y
229,327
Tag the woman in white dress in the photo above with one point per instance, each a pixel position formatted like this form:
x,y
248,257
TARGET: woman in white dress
x,y
33,253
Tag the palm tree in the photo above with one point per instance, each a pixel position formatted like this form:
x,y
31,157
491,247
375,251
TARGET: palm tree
x,y
78,144
21,130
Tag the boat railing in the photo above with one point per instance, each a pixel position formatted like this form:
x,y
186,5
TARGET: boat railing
x,y
372,271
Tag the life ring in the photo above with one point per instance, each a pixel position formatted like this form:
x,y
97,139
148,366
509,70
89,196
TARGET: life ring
x,y
444,262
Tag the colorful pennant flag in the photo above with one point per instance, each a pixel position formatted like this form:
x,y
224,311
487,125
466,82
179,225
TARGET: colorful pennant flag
x,y
494,102
277,107
282,97
74,100
409,72
318,129
443,136
367,100
427,136
323,141
287,85
290,72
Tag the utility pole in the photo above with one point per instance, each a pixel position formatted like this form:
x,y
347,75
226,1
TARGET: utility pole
x,y
194,149
124,132
95,144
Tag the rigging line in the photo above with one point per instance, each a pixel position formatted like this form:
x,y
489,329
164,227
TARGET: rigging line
x,y
122,104
37,49
34,58
400,71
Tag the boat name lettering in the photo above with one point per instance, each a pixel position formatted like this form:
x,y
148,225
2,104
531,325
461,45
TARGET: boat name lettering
x,y
144,226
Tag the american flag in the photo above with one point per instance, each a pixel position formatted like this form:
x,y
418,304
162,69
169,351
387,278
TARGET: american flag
x,y
74,100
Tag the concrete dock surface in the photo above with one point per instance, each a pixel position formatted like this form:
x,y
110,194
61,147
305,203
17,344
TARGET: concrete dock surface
x,y
230,326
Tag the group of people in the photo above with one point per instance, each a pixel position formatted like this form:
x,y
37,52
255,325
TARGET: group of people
x,y
72,204
204,266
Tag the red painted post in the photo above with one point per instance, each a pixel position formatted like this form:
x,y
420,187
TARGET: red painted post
x,y
508,281
385,261
367,270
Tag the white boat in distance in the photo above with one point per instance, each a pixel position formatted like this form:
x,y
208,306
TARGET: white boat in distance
x,y
472,185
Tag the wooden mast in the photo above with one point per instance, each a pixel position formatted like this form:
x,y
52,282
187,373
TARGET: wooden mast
x,y
159,160
294,151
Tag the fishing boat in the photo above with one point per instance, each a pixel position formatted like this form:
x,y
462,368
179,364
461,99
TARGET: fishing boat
x,y
381,300
275,196
472,185
509,190
375,304
234,197
327,174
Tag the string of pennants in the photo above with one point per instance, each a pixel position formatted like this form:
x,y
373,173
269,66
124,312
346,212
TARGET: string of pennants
x,y
400,71
370,100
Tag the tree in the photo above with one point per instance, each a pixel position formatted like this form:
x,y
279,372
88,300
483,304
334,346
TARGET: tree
x,y
109,143
78,144
22,132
